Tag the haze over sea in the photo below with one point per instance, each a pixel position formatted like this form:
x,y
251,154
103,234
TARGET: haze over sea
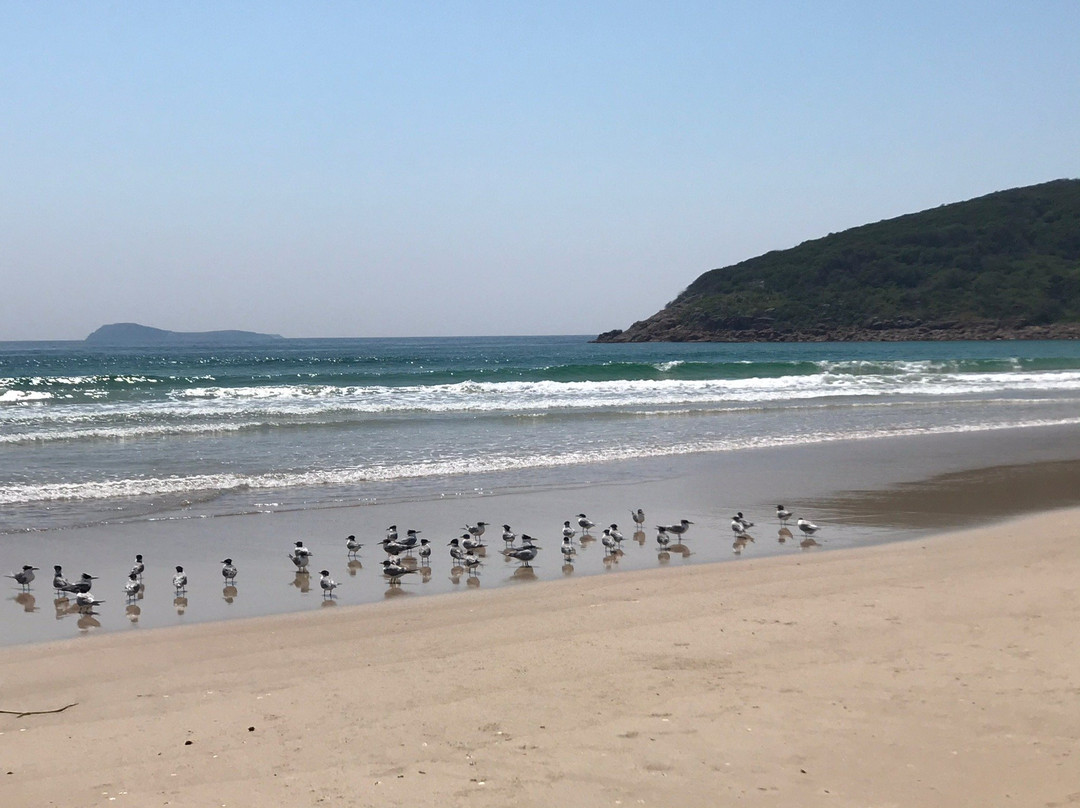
x,y
91,435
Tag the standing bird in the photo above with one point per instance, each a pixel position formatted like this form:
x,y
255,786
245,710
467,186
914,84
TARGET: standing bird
x,y
568,549
585,523
228,572
139,567
783,514
808,528
179,580
508,535
425,551
471,563
59,582
746,523
456,553
639,518
524,554
133,586
679,529
568,532
300,556
352,545
82,586
738,527
24,577
476,530
471,542
85,601
327,583
394,571
662,537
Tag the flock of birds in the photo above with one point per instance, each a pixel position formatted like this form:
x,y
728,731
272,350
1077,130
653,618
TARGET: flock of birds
x,y
466,552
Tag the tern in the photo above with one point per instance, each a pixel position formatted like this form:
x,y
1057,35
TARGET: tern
x,y
471,562
133,587
508,535
394,547
394,571
179,580
584,523
608,540
85,601
228,572
783,514
809,528
567,531
24,577
139,567
352,545
456,553
327,583
746,523
300,556
662,537
391,533
59,582
524,554
471,542
425,550
615,534
477,529
679,529
568,549
82,586
639,517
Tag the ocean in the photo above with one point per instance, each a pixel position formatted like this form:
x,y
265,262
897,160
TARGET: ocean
x,y
92,436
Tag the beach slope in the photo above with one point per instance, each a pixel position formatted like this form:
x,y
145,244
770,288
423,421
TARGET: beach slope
x,y
936,672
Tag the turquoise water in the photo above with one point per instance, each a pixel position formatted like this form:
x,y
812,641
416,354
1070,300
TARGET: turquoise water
x,y
89,435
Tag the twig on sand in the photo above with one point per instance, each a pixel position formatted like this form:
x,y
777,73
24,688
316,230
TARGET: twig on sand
x,y
38,712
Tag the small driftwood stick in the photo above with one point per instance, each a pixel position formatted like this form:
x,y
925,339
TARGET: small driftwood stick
x,y
37,712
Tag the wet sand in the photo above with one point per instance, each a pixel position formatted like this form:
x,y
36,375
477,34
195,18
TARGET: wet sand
x,y
935,672
863,493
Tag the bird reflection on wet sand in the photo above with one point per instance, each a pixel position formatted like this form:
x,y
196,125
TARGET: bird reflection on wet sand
x,y
783,535
639,537
27,601
354,567
181,604
87,621
302,581
229,593
663,556
133,611
568,569
523,573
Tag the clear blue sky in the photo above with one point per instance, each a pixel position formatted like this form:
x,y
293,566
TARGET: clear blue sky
x,y
390,169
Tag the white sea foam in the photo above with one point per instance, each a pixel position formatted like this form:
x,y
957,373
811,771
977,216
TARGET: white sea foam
x,y
223,483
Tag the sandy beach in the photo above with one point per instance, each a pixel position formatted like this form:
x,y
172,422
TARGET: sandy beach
x,y
935,672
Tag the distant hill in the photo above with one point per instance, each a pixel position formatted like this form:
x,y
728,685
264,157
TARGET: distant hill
x,y
1006,265
133,335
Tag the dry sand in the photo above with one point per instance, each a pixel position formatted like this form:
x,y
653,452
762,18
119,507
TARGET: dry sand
x,y
937,672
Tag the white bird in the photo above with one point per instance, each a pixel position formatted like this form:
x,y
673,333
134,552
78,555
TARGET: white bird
x,y
327,583
568,549
352,545
228,572
456,553
584,523
737,526
393,547
85,601
24,577
391,533
615,534
662,538
471,542
410,540
300,556
139,567
783,514
508,535
567,531
809,528
746,523
608,540
425,550
133,587
638,516
179,580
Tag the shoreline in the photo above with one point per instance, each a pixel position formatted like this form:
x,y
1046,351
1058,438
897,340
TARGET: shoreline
x,y
933,672
862,492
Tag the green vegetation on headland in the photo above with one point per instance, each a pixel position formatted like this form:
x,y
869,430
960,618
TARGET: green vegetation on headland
x,y
133,335
1003,266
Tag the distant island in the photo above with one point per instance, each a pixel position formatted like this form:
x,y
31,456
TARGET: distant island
x,y
1003,266
133,335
